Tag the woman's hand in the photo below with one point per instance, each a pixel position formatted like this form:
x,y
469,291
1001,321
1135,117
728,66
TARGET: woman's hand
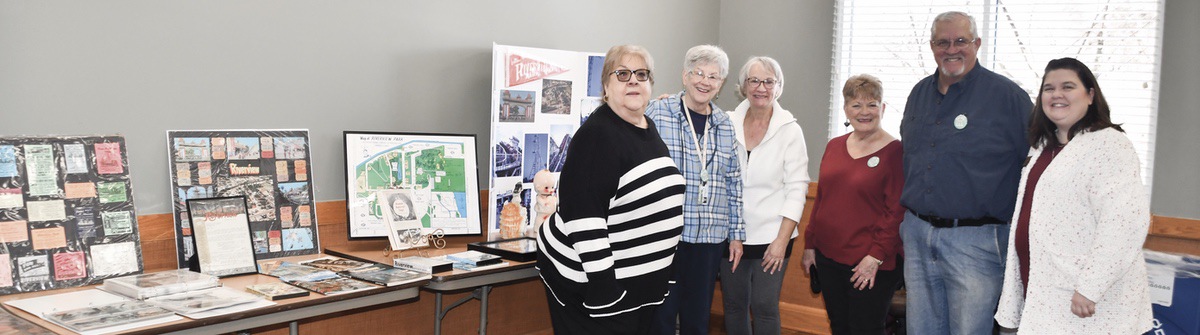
x,y
735,254
809,259
864,273
773,258
1082,306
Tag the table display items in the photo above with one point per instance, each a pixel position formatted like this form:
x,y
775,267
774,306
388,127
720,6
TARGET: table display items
x,y
94,311
162,283
333,286
67,214
385,275
521,249
335,264
271,168
191,303
424,264
277,291
221,227
109,315
427,181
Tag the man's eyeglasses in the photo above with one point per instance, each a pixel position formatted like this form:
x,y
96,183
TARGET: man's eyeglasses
x,y
958,43
754,82
624,75
705,76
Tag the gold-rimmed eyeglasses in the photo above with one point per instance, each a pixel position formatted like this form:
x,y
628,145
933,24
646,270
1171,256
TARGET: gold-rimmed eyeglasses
x,y
753,82
958,43
624,75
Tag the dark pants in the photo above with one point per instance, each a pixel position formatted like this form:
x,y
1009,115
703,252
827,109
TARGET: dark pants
x,y
854,311
691,292
574,320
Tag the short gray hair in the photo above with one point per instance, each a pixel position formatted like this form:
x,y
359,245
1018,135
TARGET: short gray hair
x,y
707,54
770,65
951,16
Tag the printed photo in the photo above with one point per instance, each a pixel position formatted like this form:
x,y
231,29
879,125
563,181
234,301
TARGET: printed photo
x,y
191,149
8,161
586,107
242,148
516,106
259,192
560,140
194,192
297,239
260,241
595,67
536,152
556,96
295,193
290,148
508,155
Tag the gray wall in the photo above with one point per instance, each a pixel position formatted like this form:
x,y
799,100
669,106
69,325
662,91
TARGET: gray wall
x,y
142,67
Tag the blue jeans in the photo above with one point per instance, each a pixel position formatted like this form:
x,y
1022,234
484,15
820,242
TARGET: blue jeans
x,y
691,295
953,276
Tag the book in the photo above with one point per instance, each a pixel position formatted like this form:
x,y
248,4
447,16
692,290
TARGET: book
x,y
277,291
190,303
288,271
151,285
468,267
333,286
424,264
107,315
334,264
473,258
380,274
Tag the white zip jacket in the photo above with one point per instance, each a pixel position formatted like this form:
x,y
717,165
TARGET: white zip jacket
x,y
774,176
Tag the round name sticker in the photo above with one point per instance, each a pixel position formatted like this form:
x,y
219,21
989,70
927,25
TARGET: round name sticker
x,y
960,121
873,162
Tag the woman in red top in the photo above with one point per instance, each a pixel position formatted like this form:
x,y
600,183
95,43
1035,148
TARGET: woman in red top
x,y
853,237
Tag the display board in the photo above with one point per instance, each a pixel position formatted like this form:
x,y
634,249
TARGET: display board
x,y
539,98
66,212
438,171
271,168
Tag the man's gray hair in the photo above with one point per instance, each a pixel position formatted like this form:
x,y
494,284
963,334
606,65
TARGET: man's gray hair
x,y
951,16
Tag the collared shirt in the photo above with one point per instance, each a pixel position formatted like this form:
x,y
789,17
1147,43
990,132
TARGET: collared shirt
x,y
963,150
721,217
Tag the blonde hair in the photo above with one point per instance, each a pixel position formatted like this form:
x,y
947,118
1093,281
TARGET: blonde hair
x,y
618,53
863,85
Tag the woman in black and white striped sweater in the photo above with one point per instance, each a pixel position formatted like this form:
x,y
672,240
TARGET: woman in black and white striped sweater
x,y
606,256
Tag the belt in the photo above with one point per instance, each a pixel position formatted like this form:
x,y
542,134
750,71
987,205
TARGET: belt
x,y
951,223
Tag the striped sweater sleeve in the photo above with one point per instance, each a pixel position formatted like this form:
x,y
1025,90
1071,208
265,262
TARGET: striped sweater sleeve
x,y
586,188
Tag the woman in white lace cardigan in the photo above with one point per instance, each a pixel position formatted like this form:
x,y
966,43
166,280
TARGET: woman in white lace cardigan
x,y
1075,263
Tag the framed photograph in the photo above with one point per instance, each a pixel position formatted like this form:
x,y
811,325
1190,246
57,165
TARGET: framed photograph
x,y
221,227
432,179
521,249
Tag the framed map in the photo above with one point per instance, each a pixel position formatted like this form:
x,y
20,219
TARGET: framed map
x,y
439,172
67,216
271,168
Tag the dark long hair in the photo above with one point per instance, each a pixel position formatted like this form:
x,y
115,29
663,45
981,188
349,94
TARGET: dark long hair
x,y
1041,129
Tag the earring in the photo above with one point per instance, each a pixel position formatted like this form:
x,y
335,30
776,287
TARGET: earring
x,y
847,123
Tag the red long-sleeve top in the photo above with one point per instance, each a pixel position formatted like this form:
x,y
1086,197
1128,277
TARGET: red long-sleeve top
x,y
857,211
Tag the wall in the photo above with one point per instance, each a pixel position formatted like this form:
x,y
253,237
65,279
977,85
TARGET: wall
x,y
141,68
1177,155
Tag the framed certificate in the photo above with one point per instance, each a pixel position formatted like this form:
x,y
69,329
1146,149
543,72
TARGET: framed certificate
x,y
222,230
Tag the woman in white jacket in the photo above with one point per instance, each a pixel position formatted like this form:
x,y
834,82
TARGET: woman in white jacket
x,y
775,182
1075,263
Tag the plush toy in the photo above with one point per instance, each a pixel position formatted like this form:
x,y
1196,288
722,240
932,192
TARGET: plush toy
x,y
546,202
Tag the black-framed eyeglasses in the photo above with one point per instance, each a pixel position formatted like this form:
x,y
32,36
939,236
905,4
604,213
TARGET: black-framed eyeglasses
x,y
624,75
958,43
704,76
754,82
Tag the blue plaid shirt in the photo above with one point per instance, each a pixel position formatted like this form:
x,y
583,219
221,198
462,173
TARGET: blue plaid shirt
x,y
721,217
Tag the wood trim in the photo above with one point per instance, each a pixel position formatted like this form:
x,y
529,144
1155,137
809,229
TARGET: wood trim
x,y
1165,226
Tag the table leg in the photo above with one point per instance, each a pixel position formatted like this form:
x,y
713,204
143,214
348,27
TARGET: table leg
x,y
483,308
438,314
294,328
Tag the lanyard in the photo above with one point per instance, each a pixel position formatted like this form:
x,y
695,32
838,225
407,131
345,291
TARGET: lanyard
x,y
701,150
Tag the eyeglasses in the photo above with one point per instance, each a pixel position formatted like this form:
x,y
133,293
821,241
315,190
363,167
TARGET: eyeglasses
x,y
958,43
624,75
700,74
754,82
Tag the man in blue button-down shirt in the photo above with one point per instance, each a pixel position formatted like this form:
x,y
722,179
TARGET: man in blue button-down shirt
x,y
700,139
964,141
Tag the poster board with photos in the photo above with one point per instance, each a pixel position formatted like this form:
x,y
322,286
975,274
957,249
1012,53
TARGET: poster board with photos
x,y
66,212
438,173
271,168
221,227
540,97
